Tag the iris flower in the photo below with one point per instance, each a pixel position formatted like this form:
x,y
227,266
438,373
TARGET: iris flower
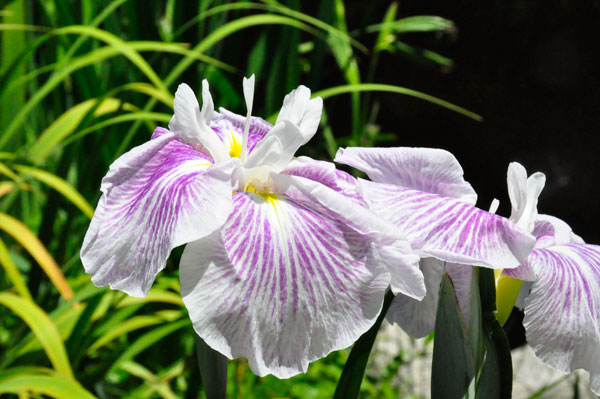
x,y
422,191
562,302
283,262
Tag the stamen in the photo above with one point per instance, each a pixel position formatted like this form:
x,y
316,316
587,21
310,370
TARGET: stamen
x,y
248,84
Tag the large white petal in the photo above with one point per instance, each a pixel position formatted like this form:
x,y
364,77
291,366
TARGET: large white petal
x,y
425,169
562,312
392,248
416,317
281,284
449,229
303,112
155,197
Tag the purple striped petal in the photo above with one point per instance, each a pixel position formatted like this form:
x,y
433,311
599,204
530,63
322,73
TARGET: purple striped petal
x,y
449,229
326,174
155,197
281,284
562,312
415,317
425,169
391,246
548,231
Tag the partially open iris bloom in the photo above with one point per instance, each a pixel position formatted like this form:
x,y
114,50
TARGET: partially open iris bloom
x,y
562,310
283,263
422,191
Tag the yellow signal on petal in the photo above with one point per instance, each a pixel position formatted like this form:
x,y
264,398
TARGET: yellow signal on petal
x,y
235,147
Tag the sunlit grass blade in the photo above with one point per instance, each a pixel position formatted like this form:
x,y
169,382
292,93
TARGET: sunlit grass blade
x,y
43,328
154,382
6,171
121,46
36,249
68,122
417,23
12,272
55,386
136,116
90,58
334,91
128,325
154,295
60,185
163,377
147,340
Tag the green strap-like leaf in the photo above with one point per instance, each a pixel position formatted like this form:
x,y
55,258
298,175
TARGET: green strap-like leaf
x,y
452,369
348,386
56,386
213,369
12,272
60,185
43,328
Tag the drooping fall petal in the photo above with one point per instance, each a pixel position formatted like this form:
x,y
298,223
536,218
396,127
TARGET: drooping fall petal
x,y
281,284
155,197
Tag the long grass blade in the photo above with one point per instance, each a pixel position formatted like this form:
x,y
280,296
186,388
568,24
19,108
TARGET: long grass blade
x,y
36,249
55,386
13,273
68,122
43,328
334,91
60,185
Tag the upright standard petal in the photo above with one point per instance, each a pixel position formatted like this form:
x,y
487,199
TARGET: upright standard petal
x,y
562,312
449,229
282,284
524,192
425,169
191,125
155,197
303,112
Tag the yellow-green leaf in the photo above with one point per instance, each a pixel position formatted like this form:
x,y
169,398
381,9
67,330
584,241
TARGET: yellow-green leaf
x,y
55,386
43,328
32,244
60,185
66,124
12,272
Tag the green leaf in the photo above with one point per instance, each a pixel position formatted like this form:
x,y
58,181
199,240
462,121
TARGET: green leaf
x,y
213,370
147,340
60,185
337,90
348,386
13,273
495,381
453,368
64,125
56,386
43,328
21,233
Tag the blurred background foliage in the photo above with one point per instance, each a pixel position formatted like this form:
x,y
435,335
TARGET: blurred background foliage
x,y
81,82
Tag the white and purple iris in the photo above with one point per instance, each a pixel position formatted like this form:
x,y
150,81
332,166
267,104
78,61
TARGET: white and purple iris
x,y
562,308
422,191
287,258
283,263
